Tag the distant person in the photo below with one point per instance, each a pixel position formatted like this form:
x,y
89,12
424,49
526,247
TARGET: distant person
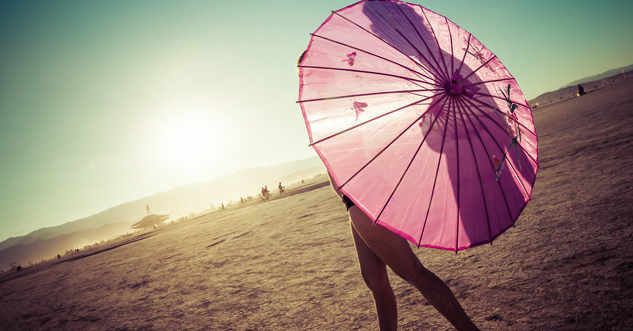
x,y
147,208
581,90
59,256
281,188
265,193
18,268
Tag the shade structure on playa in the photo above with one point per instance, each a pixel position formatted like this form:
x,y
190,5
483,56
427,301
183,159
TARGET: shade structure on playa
x,y
150,221
418,123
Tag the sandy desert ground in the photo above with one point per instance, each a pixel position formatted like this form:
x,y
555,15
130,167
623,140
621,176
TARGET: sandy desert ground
x,y
290,264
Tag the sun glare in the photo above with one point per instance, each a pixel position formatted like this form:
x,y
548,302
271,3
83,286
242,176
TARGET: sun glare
x,y
189,143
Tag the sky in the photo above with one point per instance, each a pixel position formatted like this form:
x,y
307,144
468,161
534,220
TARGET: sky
x,y
105,102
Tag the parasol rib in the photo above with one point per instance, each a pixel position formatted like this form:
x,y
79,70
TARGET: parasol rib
x,y
437,71
465,52
387,146
461,108
481,66
437,170
445,74
448,74
505,198
499,125
411,161
448,27
523,126
372,73
504,99
458,178
368,94
381,57
368,121
494,80
491,107
516,175
498,146
439,67
488,115
384,41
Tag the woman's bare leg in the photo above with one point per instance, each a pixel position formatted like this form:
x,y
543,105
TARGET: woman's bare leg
x,y
395,251
374,272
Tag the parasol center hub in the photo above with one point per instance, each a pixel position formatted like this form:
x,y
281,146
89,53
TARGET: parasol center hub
x,y
454,87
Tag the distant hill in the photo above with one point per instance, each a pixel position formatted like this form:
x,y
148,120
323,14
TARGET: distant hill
x,y
606,74
48,248
566,93
297,176
177,202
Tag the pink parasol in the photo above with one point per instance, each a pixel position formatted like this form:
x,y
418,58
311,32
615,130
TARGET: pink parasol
x,y
418,123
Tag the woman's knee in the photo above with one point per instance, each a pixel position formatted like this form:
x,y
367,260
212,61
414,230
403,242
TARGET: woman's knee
x,y
413,273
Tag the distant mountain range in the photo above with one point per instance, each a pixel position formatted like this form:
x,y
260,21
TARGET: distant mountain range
x,y
603,75
48,242
568,92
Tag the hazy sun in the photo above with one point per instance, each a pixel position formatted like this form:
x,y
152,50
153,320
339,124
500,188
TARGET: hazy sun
x,y
189,142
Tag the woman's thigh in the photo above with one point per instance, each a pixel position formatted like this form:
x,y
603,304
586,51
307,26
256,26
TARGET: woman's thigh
x,y
392,249
373,270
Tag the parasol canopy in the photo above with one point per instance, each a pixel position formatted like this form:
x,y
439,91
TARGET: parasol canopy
x,y
418,123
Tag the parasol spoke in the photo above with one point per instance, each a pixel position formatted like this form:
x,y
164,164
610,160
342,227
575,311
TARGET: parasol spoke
x,y
372,93
388,44
444,74
432,78
461,108
437,170
488,115
420,95
494,108
458,177
491,118
502,150
505,199
412,158
523,126
500,98
491,107
465,52
409,79
481,66
484,112
437,71
393,141
371,120
450,34
494,80
439,48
